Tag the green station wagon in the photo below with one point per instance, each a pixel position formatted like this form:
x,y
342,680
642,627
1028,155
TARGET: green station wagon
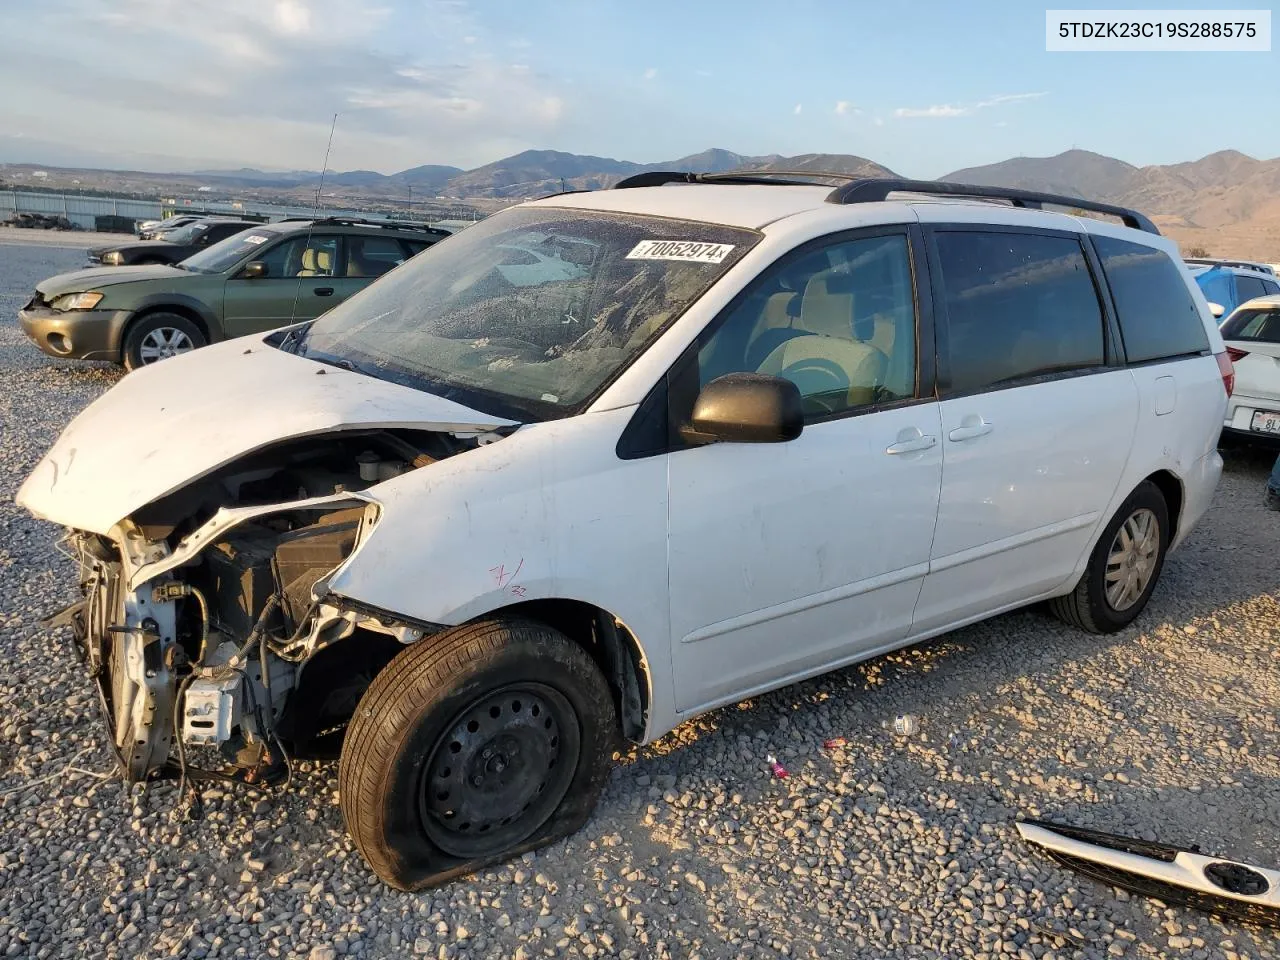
x,y
267,276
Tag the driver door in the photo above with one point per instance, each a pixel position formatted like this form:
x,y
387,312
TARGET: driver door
x,y
304,274
787,559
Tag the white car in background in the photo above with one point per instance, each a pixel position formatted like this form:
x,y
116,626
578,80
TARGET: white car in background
x,y
1252,336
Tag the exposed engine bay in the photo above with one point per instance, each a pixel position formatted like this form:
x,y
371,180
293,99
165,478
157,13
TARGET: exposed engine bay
x,y
204,617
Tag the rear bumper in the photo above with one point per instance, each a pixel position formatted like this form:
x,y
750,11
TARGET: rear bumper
x,y
1240,410
1198,486
76,334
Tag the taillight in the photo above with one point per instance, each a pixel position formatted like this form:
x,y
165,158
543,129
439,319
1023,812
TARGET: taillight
x,y
1236,355
1227,370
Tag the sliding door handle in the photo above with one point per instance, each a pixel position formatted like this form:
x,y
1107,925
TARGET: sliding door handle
x,y
971,427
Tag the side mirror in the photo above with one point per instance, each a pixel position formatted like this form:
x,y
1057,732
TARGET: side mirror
x,y
1216,309
745,408
253,270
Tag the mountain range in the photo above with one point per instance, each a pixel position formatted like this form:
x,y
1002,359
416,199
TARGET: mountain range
x,y
1227,202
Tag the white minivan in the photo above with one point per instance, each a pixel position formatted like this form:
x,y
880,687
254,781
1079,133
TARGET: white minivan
x,y
470,532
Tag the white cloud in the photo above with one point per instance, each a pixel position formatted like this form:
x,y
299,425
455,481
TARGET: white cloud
x,y
799,107
964,110
845,108
1008,98
651,73
267,76
879,121
292,16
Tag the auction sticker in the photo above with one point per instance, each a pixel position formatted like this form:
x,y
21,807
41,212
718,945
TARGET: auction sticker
x,y
687,250
255,239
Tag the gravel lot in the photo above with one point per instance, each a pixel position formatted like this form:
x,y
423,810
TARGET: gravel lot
x,y
888,847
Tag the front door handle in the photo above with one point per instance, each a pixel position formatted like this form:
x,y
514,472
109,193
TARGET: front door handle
x,y
324,291
971,427
911,440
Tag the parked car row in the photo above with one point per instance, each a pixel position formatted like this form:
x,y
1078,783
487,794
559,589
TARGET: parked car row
x,y
598,464
255,277
1245,294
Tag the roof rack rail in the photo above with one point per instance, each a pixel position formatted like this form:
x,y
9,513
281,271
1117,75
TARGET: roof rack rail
x,y
1244,264
871,190
658,178
364,222
857,189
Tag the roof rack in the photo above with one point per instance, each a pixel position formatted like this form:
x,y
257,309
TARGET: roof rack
x,y
871,190
363,222
858,189
1244,264
658,178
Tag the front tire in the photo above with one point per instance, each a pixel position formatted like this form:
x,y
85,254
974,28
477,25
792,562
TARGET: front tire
x,y
1124,568
158,336
473,746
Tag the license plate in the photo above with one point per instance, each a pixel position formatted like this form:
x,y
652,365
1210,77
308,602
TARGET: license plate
x,y
1265,422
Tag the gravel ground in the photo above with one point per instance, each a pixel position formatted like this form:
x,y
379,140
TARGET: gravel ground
x,y
55,238
888,847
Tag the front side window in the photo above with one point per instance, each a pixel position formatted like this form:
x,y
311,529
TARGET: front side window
x,y
1018,305
1270,288
1260,326
1158,318
313,255
839,322
531,311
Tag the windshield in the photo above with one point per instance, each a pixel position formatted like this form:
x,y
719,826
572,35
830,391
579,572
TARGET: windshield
x,y
535,309
185,234
1260,326
225,254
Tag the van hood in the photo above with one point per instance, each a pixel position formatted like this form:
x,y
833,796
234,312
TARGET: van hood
x,y
78,281
168,424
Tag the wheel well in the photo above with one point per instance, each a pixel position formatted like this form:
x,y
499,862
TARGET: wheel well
x,y
1171,488
610,643
178,309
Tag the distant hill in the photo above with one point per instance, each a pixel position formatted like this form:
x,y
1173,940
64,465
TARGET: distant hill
x,y
1077,172
1227,202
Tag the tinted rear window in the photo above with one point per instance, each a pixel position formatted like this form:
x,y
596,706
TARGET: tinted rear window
x,y
1158,317
1262,326
1018,305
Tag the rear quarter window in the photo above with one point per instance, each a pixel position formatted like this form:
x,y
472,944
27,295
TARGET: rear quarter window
x,y
1158,317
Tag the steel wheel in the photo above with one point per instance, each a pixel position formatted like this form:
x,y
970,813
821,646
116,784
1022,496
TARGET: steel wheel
x,y
164,342
1132,559
499,770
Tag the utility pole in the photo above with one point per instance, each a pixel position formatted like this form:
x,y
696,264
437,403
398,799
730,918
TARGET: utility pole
x,y
411,200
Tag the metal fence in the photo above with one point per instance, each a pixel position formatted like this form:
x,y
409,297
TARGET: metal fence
x,y
84,211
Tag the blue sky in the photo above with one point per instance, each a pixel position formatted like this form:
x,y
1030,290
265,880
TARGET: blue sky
x,y
924,87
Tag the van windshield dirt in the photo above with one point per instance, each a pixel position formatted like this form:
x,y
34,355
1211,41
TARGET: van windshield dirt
x,y
531,311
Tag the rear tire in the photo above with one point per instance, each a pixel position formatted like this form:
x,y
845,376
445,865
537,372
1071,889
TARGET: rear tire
x,y
1124,568
473,746
157,336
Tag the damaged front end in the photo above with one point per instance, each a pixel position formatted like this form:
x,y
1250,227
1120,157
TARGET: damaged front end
x,y
205,618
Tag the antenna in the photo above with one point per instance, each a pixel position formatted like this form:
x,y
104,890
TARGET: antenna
x,y
325,168
293,311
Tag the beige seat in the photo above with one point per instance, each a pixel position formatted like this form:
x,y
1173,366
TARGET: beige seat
x,y
776,314
316,263
832,369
